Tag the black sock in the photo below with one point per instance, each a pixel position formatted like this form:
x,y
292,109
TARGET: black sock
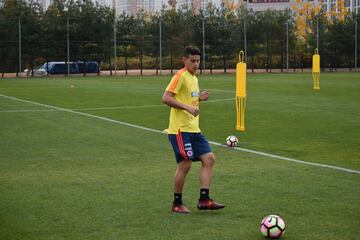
x,y
204,193
177,199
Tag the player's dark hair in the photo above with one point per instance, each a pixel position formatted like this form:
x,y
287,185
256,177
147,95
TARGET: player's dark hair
x,y
191,50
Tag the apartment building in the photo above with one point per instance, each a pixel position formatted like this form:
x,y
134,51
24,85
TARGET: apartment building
x,y
131,7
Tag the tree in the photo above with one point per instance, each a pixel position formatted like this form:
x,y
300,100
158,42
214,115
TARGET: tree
x,y
254,43
171,22
340,37
225,22
15,14
54,30
103,28
31,33
212,33
125,36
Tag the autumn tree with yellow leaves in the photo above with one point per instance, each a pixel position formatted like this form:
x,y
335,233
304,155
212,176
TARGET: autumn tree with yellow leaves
x,y
307,11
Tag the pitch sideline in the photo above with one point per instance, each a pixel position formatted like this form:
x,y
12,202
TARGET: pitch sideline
x,y
214,143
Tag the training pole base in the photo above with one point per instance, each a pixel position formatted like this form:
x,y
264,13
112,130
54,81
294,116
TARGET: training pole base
x,y
240,128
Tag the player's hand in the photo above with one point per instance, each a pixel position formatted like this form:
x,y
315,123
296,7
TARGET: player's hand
x,y
204,95
193,110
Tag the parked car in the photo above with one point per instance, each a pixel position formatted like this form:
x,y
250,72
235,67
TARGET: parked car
x,y
38,72
89,67
62,68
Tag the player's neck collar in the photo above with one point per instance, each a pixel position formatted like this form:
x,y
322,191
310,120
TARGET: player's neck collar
x,y
193,74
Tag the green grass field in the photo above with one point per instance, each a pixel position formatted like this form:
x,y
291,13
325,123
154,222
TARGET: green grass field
x,y
71,167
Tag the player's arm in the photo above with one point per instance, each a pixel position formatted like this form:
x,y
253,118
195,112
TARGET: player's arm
x,y
169,99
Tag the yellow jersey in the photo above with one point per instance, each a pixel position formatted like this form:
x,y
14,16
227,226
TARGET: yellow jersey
x,y
186,89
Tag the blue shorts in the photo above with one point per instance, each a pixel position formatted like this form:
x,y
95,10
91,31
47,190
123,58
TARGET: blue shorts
x,y
189,146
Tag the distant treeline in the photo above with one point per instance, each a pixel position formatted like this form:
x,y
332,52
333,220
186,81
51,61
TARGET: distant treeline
x,y
82,31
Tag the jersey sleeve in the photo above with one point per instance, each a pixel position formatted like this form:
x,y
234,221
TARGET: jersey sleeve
x,y
176,83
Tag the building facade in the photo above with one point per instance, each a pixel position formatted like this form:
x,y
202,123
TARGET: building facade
x,y
327,5
131,7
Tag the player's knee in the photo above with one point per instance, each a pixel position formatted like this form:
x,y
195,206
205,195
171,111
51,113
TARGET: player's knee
x,y
212,159
184,166
209,159
187,168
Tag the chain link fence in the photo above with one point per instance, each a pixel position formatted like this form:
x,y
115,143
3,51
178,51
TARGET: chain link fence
x,y
28,47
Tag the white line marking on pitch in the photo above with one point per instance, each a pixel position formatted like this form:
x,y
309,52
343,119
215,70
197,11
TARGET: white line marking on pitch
x,y
214,143
122,107
219,100
28,110
288,159
105,108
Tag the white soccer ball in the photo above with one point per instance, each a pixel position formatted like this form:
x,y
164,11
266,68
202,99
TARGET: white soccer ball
x,y
272,226
231,141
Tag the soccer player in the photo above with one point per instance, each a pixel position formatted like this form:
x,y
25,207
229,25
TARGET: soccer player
x,y
183,96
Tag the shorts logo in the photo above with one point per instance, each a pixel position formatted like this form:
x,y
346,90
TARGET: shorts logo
x,y
188,149
189,153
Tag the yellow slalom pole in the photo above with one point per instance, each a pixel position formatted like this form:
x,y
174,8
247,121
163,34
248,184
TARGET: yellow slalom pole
x,y
316,70
240,92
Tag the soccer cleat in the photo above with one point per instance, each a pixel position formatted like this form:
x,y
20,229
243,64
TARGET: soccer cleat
x,y
209,204
180,209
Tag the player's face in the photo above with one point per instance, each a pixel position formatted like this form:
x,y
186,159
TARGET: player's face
x,y
192,63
